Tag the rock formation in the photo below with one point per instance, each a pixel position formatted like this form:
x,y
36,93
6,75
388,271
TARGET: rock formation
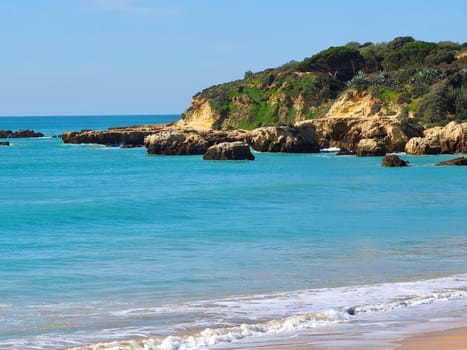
x,y
455,161
370,148
451,138
176,143
20,134
346,132
393,161
237,150
132,136
298,139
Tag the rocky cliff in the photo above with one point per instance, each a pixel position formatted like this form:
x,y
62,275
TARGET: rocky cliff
x,y
417,81
365,98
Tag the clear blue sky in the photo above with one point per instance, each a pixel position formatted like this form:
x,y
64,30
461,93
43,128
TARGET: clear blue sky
x,y
62,57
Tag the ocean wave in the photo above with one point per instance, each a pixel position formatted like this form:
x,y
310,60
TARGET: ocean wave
x,y
398,296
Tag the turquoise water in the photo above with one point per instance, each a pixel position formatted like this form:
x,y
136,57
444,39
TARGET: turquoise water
x,y
107,244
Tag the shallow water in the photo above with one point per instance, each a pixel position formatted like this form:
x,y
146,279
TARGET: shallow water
x,y
106,244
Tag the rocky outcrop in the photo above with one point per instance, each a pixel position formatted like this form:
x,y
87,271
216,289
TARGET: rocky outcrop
x,y
455,161
124,136
299,139
185,141
423,145
237,150
176,143
19,134
4,143
449,139
346,132
393,161
370,148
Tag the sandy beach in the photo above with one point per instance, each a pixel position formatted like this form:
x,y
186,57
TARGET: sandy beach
x,y
452,339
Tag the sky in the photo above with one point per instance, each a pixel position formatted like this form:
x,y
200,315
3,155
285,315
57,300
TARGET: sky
x,y
118,57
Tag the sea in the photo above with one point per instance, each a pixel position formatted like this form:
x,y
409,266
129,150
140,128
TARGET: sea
x,y
112,248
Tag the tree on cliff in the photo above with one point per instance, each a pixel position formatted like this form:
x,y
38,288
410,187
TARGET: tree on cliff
x,y
340,62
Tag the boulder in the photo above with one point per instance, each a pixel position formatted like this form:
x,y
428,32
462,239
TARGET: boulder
x,y
237,150
370,148
176,143
423,145
393,161
4,143
455,161
299,139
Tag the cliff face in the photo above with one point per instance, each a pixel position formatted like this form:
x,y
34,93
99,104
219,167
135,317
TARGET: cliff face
x,y
200,115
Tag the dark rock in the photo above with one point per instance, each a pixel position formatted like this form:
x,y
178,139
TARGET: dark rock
x,y
370,148
20,134
107,137
4,143
455,161
25,134
5,134
393,161
229,151
345,152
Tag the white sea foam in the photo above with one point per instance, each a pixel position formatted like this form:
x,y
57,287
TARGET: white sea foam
x,y
203,324
330,149
300,310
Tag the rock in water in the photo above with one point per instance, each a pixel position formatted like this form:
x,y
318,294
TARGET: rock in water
x,y
451,138
176,143
20,134
393,161
345,152
300,139
455,161
4,143
370,148
229,151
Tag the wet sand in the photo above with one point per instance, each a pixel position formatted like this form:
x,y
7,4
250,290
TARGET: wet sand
x,y
454,339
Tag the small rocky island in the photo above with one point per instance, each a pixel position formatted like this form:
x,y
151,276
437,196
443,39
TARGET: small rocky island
x,y
9,134
368,99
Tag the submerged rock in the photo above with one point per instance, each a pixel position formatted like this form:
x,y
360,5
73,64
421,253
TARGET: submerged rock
x,y
393,161
237,150
455,161
370,148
